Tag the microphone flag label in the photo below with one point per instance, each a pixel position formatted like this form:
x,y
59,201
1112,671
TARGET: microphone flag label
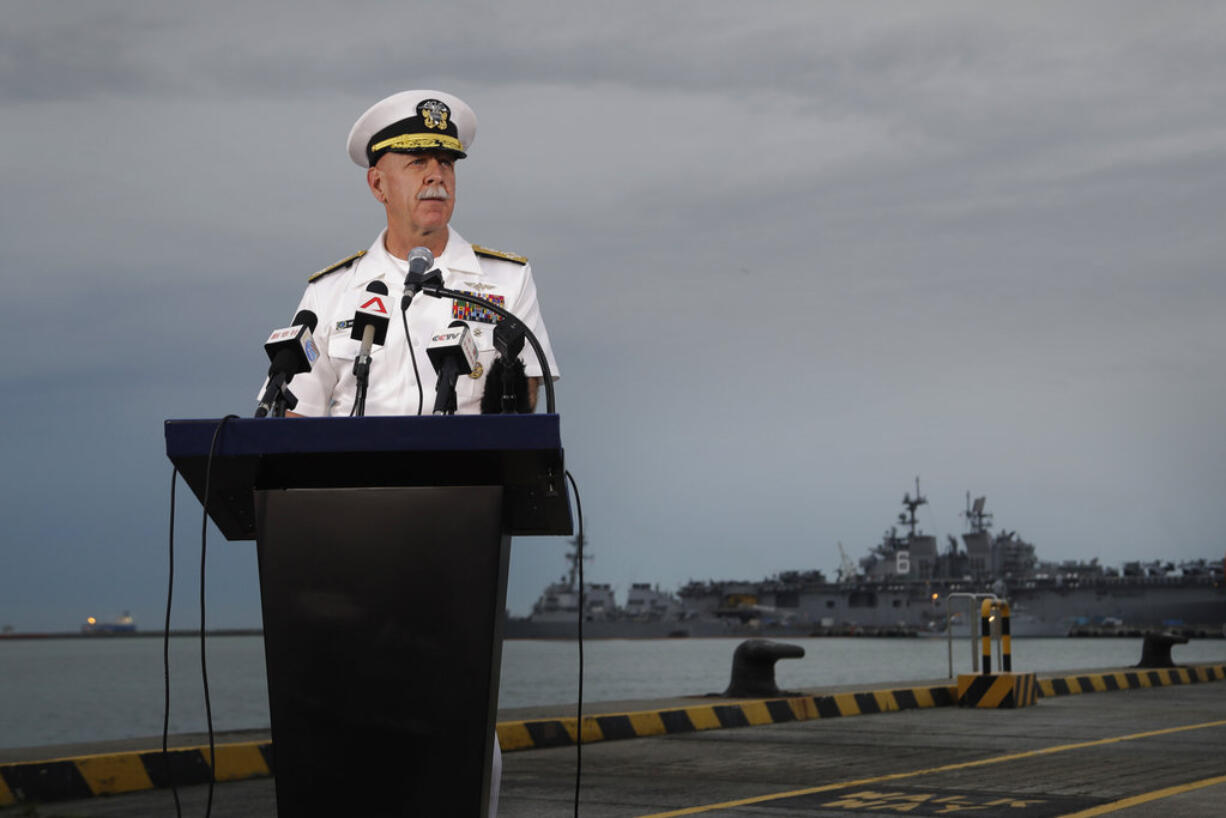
x,y
312,351
371,312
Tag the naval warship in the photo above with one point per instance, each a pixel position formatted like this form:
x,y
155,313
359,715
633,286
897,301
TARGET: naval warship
x,y
900,588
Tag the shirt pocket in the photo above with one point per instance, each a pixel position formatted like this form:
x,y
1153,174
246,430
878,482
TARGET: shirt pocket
x,y
344,349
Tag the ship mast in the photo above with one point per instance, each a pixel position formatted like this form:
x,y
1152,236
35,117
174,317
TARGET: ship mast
x,y
575,556
976,517
912,505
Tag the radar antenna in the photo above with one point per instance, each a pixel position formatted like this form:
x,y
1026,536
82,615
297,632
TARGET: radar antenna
x,y
912,505
976,517
847,568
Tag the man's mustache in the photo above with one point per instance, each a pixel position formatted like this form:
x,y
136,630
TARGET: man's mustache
x,y
435,192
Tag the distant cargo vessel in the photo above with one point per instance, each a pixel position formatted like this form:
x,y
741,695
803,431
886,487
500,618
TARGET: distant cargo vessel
x,y
124,623
900,587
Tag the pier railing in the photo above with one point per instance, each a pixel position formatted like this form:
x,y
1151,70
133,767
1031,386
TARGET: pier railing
x,y
975,599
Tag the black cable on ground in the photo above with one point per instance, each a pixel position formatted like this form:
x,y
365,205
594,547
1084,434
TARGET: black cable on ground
x,y
579,706
170,592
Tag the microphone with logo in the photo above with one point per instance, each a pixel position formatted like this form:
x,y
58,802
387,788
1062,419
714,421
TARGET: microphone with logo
x,y
370,327
453,353
291,350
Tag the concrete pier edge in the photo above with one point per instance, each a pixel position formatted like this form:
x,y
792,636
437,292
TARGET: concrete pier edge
x,y
83,776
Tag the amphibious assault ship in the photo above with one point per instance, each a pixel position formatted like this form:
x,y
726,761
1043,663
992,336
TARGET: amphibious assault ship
x,y
900,588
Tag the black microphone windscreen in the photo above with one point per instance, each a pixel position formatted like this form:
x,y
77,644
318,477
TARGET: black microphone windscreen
x,y
307,317
492,397
285,361
377,286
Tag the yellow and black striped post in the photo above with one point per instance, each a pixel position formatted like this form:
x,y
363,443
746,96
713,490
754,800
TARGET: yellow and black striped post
x,y
1006,644
1001,608
985,633
1003,689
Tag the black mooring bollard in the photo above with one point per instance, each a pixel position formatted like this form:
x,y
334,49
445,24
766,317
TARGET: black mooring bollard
x,y
1156,649
753,667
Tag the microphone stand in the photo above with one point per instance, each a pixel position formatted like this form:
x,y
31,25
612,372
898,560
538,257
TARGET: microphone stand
x,y
445,397
277,397
439,291
361,371
285,400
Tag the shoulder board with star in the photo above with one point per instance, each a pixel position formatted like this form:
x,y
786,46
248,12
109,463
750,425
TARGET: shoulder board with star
x,y
505,256
340,265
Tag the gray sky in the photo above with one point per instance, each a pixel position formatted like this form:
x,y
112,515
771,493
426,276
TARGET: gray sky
x,y
791,255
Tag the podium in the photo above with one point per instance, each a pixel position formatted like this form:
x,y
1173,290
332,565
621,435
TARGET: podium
x,y
383,546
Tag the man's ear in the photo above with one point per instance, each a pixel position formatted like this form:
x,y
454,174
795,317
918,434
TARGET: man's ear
x,y
374,180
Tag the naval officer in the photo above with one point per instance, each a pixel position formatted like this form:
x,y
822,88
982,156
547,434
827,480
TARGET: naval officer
x,y
409,144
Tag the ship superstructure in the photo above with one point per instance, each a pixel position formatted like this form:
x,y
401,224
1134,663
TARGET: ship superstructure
x,y
901,586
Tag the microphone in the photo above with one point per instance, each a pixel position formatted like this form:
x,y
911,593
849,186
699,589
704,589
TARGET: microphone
x,y
453,353
372,317
290,350
370,327
420,260
506,388
506,384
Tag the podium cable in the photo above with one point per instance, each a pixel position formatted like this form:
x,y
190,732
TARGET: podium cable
x,y
579,703
170,592
204,670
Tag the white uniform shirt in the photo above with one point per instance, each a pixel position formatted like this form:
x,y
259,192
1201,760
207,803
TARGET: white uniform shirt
x,y
329,388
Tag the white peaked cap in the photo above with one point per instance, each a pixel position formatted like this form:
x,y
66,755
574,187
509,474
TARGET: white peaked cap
x,y
412,121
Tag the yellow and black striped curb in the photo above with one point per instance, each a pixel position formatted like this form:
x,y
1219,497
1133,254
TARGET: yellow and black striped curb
x,y
540,733
65,779
525,735
114,773
1130,679
997,690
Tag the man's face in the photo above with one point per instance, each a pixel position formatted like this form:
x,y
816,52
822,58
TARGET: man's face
x,y
418,189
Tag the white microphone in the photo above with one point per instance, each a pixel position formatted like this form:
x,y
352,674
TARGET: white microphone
x,y
453,353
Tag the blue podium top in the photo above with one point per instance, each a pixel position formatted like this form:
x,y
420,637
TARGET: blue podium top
x,y
522,453
425,433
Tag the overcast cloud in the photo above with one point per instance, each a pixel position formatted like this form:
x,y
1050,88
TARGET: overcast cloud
x,y
791,255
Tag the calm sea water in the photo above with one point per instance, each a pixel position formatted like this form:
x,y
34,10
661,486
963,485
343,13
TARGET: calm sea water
x,y
66,690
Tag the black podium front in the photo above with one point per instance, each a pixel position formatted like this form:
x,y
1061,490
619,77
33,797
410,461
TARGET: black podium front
x,y
383,548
